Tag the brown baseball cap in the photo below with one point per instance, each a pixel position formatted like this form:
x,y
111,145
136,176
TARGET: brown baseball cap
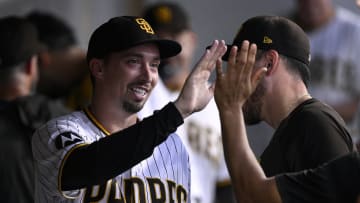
x,y
274,32
120,33
167,17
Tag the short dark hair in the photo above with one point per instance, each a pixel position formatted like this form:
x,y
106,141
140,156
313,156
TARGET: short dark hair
x,y
297,67
55,33
293,65
19,41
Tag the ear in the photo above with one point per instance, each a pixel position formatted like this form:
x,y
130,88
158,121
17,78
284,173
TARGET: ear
x,y
96,68
193,37
44,59
31,66
272,61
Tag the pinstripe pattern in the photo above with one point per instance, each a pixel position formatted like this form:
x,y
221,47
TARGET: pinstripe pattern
x,y
169,164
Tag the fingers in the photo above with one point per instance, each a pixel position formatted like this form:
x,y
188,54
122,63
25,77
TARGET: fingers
x,y
250,59
216,51
219,70
218,48
238,61
243,53
240,67
233,54
259,73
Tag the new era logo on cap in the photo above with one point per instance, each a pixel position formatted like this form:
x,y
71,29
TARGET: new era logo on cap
x,y
267,40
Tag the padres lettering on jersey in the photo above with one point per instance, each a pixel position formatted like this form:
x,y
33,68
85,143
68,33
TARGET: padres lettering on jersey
x,y
135,191
162,177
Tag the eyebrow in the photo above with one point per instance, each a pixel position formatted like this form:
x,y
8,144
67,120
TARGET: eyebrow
x,y
134,54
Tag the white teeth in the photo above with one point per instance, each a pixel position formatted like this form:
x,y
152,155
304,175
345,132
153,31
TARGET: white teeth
x,y
139,91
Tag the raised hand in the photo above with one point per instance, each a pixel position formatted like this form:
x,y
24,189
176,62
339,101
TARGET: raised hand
x,y
197,92
234,86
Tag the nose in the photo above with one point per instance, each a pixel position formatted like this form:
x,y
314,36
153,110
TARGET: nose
x,y
147,72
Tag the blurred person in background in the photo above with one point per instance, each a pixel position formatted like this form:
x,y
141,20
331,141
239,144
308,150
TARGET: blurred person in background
x,y
335,56
200,133
21,111
62,66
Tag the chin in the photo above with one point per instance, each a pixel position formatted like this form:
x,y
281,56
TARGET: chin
x,y
133,107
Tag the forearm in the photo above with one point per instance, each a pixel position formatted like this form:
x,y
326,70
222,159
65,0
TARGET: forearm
x,y
110,156
248,178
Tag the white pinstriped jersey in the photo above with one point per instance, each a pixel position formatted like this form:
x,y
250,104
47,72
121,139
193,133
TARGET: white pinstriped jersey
x,y
165,175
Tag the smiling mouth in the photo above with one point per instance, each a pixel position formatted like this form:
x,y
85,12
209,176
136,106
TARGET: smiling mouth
x,y
139,91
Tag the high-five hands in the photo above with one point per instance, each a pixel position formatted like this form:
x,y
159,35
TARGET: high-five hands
x,y
235,86
197,92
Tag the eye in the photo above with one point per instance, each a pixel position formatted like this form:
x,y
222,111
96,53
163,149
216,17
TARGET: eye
x,y
133,61
155,64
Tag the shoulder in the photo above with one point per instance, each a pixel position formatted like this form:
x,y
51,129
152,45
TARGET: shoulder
x,y
67,120
319,119
72,122
314,111
348,21
332,180
347,16
60,134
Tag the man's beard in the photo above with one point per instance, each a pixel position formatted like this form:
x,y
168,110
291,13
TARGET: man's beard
x,y
132,107
252,106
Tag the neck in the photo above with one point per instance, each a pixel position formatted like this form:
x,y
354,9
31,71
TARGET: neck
x,y
283,107
9,93
296,102
111,117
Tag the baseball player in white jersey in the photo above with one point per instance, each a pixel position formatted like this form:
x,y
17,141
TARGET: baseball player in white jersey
x,y
105,153
165,174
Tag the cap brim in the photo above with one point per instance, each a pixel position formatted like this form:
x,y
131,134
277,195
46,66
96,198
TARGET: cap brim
x,y
167,48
